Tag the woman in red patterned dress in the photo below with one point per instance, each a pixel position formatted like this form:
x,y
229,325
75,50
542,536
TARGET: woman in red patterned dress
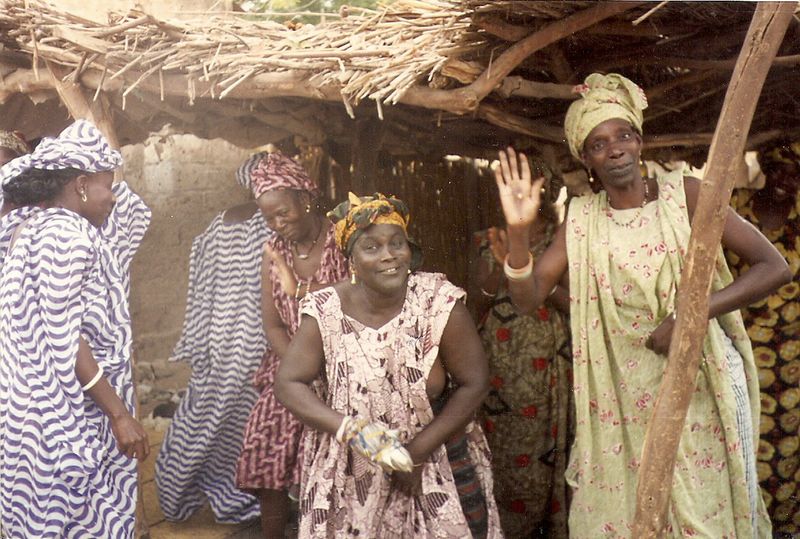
x,y
301,257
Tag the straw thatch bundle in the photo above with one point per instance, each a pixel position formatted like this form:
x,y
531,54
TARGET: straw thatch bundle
x,y
368,54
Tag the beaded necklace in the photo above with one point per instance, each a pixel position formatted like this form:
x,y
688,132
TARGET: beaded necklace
x,y
629,224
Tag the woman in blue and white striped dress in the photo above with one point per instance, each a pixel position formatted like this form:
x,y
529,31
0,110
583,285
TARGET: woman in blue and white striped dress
x,y
223,341
68,438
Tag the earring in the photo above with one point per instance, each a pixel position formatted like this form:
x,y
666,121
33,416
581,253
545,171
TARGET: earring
x,y
408,271
352,277
591,178
308,208
84,198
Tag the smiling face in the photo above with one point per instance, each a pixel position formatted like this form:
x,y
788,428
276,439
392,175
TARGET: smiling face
x,y
100,199
284,210
381,258
612,150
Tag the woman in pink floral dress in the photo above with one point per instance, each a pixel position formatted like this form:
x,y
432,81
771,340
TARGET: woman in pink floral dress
x,y
384,353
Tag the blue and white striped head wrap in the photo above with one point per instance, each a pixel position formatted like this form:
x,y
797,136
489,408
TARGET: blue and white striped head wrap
x,y
80,146
245,170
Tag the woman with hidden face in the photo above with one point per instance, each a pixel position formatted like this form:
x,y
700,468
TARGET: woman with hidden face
x,y
623,249
774,327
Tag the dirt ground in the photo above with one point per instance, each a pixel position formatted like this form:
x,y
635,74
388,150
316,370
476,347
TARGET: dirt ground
x,y
200,526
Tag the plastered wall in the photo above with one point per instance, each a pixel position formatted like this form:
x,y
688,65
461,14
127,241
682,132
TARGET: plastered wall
x,y
186,181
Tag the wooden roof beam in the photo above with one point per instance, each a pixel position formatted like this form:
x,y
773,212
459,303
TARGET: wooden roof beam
x,y
467,99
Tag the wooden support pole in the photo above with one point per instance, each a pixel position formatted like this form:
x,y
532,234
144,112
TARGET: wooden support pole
x,y
73,95
764,36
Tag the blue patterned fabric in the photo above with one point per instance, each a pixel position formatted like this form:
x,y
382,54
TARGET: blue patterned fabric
x,y
223,340
245,170
61,473
80,146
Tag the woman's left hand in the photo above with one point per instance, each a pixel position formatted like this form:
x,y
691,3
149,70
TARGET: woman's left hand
x,y
409,483
498,244
285,274
659,340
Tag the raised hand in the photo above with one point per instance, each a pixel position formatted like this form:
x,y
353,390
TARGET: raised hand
x,y
519,196
285,273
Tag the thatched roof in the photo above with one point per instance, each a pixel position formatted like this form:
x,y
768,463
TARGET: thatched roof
x,y
443,76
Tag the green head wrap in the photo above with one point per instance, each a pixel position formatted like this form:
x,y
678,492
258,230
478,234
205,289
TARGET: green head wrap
x,y
603,97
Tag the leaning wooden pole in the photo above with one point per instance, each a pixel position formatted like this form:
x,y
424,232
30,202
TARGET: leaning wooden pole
x,y
765,34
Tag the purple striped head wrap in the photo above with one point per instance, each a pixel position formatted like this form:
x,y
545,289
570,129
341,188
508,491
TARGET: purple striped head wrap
x,y
80,146
277,171
245,171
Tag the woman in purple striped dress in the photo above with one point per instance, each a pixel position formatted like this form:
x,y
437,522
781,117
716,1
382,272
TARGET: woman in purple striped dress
x,y
68,438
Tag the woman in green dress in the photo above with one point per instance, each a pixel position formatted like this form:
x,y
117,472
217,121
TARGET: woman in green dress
x,y
528,416
623,248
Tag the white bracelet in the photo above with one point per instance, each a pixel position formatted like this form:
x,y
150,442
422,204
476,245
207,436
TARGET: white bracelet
x,y
342,427
518,274
93,381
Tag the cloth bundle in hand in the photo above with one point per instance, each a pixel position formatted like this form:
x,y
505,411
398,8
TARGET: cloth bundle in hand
x,y
376,442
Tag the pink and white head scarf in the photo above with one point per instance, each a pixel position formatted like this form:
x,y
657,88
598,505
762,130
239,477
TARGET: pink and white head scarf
x,y
277,171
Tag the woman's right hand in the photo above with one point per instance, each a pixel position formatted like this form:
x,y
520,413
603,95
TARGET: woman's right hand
x,y
519,196
130,436
285,274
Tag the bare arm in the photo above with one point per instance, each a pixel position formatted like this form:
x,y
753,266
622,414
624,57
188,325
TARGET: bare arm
x,y
483,283
768,269
129,434
529,294
520,198
463,358
274,328
300,366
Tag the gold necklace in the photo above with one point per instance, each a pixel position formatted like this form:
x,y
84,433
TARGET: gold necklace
x,y
629,224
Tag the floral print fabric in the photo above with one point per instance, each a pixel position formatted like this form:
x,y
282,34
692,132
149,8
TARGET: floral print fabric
x,y
774,327
623,281
381,375
528,416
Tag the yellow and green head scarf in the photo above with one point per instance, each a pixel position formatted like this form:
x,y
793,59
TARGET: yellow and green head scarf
x,y
603,97
353,216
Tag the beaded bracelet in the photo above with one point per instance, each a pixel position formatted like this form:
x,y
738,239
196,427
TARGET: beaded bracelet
x,y
518,274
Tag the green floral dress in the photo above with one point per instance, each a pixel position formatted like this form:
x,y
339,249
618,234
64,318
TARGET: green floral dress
x,y
624,270
528,414
774,327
